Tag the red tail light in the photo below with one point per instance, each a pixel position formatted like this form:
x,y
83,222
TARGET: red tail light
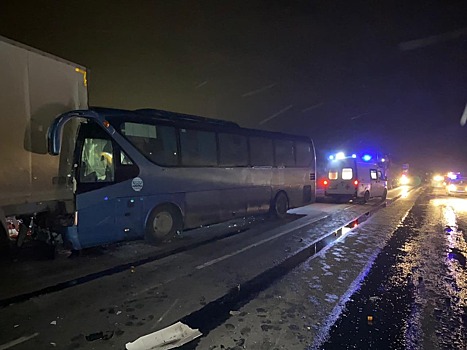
x,y
355,182
325,182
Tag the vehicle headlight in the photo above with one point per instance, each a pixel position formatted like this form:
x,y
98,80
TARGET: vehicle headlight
x,y
452,187
404,180
438,178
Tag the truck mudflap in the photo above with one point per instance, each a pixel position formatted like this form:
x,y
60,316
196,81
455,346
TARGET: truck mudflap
x,y
70,237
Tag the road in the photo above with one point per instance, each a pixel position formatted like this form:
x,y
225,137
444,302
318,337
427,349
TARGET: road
x,y
415,296
251,284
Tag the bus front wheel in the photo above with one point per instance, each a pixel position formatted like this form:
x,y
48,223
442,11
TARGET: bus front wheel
x,y
163,223
280,205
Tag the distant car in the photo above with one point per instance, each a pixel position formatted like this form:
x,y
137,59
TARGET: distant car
x,y
437,181
456,187
404,180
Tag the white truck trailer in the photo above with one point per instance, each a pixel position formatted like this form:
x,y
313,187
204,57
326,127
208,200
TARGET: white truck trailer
x,y
35,87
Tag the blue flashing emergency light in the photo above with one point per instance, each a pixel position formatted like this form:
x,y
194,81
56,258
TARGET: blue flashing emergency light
x,y
366,157
331,157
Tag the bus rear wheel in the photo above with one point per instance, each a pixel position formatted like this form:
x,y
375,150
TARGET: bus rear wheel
x,y
164,222
280,205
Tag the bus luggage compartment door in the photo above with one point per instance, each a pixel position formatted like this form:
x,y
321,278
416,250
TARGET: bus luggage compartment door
x,y
128,212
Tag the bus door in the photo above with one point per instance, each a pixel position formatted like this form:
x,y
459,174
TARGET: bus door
x,y
106,210
129,205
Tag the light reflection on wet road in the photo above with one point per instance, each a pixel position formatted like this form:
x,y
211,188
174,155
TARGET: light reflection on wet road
x,y
415,296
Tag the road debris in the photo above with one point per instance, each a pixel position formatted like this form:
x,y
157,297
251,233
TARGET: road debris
x,y
100,335
170,337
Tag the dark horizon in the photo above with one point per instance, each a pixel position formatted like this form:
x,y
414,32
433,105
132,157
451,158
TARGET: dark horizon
x,y
350,76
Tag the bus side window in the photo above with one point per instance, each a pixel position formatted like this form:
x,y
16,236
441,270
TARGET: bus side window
x,y
261,151
124,159
303,153
158,143
233,150
198,148
284,151
97,163
126,169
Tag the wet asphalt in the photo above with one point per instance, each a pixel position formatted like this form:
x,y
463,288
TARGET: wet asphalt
x,y
396,282
296,311
414,296
390,283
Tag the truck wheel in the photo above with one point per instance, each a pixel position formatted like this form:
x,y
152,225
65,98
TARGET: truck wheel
x,y
280,205
385,194
164,222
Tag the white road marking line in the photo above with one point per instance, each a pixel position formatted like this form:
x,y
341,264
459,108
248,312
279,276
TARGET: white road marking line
x,y
165,313
18,341
215,261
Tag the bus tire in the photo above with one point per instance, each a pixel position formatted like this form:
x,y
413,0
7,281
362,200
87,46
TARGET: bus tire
x,y
164,222
280,205
385,194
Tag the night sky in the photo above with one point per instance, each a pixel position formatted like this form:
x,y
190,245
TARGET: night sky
x,y
391,75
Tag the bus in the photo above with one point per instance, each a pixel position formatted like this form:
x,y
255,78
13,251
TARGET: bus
x,y
151,173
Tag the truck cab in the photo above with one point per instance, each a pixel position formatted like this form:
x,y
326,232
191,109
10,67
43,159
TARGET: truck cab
x,y
351,178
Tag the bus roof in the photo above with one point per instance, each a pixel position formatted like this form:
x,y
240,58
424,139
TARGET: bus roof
x,y
193,120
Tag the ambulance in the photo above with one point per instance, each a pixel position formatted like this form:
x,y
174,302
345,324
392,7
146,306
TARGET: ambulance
x,y
355,178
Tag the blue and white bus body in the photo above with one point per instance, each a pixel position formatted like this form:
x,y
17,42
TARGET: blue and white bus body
x,y
124,208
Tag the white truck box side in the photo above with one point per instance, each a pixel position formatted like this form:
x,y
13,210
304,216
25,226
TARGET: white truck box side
x,y
35,87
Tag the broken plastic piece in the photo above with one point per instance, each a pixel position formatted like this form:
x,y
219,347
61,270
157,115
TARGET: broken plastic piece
x,y
168,338
100,335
